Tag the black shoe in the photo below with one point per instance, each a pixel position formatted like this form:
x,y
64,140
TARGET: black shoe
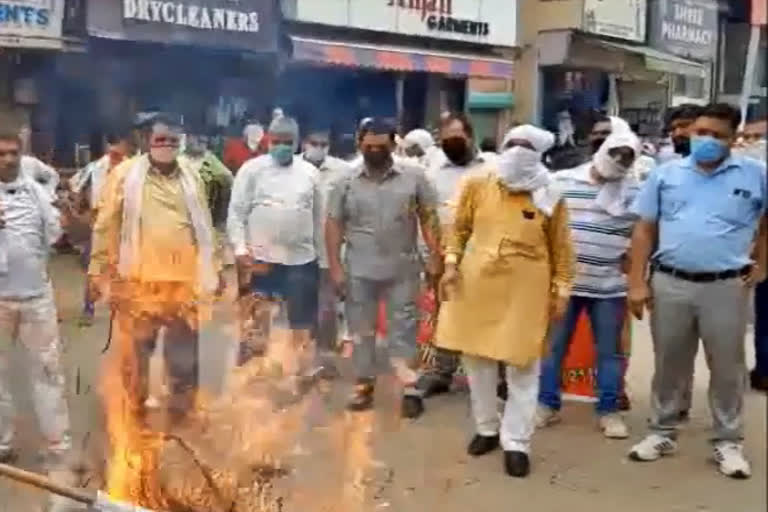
x,y
757,381
413,407
480,445
684,416
432,385
517,464
362,396
8,456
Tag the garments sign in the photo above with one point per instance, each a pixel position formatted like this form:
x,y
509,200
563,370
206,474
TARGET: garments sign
x,y
234,24
492,22
31,23
622,19
687,28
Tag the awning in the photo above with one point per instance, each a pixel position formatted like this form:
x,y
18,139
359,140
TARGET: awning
x,y
399,58
661,61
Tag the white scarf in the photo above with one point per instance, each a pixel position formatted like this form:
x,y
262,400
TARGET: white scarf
x,y
613,195
48,213
130,237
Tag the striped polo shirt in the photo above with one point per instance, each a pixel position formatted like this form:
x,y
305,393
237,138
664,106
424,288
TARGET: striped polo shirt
x,y
600,240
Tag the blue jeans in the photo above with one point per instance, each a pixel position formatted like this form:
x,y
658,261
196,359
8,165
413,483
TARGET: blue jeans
x,y
607,317
761,329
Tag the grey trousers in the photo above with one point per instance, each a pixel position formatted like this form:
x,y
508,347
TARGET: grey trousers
x,y
327,329
362,308
683,313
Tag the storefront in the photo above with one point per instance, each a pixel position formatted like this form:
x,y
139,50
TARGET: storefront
x,y
401,59
212,62
31,36
604,68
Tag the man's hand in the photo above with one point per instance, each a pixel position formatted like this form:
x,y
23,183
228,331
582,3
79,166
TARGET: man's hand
x,y
557,307
434,267
94,288
243,265
339,280
639,297
755,276
450,283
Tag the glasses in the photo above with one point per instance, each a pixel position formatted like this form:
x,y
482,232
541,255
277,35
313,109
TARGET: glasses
x,y
10,152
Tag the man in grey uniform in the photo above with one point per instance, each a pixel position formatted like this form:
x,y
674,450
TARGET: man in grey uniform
x,y
702,214
377,211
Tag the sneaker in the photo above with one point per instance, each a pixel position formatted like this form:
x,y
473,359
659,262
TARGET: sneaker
x,y
480,445
517,464
731,461
546,416
652,448
613,426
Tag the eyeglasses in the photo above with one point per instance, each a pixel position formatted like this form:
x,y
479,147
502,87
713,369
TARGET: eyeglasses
x,y
10,152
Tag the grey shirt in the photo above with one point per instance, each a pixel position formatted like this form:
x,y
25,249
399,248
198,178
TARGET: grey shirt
x,y
380,219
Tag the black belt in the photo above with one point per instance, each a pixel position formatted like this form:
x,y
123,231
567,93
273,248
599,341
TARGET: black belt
x,y
702,277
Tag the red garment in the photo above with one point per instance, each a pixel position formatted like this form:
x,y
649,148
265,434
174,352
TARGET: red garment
x,y
237,152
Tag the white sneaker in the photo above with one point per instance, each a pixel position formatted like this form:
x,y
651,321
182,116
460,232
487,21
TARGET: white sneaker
x,y
613,426
731,460
546,416
652,448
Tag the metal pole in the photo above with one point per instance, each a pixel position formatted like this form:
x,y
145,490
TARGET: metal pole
x,y
749,73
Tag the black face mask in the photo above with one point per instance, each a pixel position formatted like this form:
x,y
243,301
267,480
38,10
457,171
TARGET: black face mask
x,y
596,143
682,145
377,158
455,148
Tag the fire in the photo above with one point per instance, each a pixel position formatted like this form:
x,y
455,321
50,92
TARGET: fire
x,y
234,452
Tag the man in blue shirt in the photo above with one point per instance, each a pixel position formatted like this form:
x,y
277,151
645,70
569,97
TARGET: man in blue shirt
x,y
699,219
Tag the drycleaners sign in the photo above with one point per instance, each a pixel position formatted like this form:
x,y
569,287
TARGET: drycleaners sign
x,y
687,28
31,23
236,24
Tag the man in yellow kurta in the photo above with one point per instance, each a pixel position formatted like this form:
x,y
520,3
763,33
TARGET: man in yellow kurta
x,y
154,245
509,268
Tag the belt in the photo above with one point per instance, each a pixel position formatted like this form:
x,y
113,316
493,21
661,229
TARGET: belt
x,y
702,277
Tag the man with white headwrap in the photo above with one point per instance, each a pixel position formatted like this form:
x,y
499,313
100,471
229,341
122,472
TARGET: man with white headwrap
x,y
273,218
598,195
509,267
419,146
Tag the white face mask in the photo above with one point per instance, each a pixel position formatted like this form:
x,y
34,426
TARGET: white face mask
x,y
315,154
520,168
609,167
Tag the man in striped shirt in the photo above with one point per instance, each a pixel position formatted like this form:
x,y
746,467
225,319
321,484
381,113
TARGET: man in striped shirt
x,y
598,194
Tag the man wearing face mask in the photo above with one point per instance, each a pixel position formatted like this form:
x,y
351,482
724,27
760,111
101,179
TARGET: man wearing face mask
x,y
377,211
598,195
88,185
509,268
330,171
461,161
154,248
216,177
272,224
678,123
700,235
240,150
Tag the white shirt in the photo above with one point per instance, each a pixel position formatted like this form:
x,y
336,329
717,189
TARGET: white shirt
x,y
446,177
23,247
95,175
330,171
275,210
43,174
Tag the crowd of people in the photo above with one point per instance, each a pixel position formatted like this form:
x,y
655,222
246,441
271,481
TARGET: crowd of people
x,y
514,252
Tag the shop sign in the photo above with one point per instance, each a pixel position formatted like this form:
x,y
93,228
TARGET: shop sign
x,y
31,23
622,19
490,22
236,24
687,28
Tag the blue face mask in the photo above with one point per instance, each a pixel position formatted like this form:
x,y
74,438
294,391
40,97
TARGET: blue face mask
x,y
282,153
706,149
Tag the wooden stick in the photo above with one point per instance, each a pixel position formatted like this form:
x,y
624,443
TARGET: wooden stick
x,y
42,482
